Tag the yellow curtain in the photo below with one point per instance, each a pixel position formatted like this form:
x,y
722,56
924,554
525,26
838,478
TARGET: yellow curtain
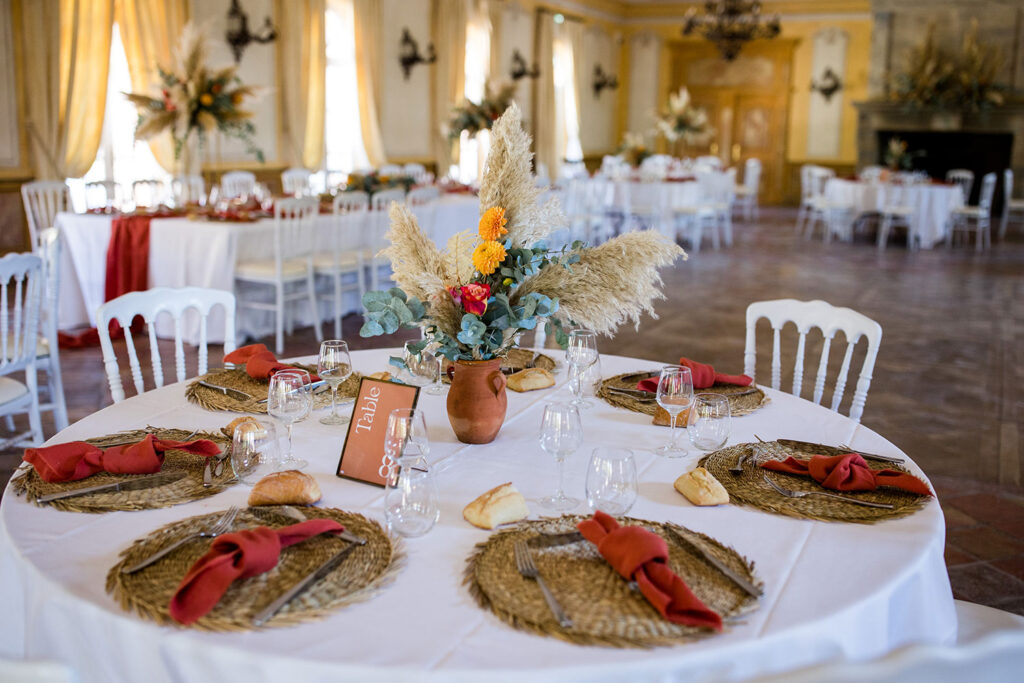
x,y
302,54
368,76
575,32
66,81
449,36
150,30
544,117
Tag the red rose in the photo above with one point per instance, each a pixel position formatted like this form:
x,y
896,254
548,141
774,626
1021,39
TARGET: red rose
x,y
474,298
456,295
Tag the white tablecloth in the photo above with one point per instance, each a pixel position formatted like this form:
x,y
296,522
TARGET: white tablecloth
x,y
832,591
932,204
184,252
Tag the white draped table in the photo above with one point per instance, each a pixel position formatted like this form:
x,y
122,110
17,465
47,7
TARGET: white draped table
x,y
832,591
184,252
931,204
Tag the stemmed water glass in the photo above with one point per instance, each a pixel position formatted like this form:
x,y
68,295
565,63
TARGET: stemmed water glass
x,y
334,366
611,481
410,494
254,451
712,417
581,354
675,394
561,433
289,400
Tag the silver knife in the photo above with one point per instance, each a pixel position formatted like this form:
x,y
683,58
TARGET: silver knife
x,y
227,391
869,456
726,571
320,572
134,484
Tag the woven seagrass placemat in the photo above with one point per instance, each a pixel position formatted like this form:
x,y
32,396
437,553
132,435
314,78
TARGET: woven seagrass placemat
x,y
514,361
750,488
605,608
365,570
236,378
185,489
739,405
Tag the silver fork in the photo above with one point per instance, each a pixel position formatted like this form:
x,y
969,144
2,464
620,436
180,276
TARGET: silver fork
x,y
222,525
789,493
526,567
737,468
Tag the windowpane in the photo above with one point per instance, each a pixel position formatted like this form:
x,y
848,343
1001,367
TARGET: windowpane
x,y
343,137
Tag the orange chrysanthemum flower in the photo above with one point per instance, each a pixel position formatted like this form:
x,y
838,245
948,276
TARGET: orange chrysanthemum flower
x,y
488,256
492,223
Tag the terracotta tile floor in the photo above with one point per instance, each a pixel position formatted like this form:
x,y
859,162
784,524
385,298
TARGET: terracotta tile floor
x,y
947,386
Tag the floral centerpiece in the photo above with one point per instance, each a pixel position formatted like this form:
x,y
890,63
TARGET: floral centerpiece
x,y
680,120
897,158
634,150
475,297
373,182
196,100
474,117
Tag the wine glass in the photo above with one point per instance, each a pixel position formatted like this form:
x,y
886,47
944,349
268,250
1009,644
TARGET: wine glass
x,y
561,433
434,363
410,493
334,366
418,371
254,450
581,353
710,426
289,401
611,481
675,394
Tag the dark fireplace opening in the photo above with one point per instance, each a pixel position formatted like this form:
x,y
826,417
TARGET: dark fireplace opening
x,y
979,152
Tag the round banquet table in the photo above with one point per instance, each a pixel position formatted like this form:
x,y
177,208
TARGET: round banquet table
x,y
832,591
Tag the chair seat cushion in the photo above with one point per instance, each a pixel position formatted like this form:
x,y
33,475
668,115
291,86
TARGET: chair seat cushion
x,y
265,270
11,390
42,347
346,261
1016,204
744,191
971,212
898,210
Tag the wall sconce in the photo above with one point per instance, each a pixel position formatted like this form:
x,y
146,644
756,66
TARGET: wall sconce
x,y
238,35
829,84
603,80
519,68
409,54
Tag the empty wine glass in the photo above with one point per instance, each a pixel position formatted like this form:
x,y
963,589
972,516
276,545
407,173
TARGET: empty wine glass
x,y
289,401
561,433
709,428
580,354
254,451
611,481
334,366
419,366
410,493
675,394
434,363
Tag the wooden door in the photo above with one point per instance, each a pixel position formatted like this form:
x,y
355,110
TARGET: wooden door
x,y
747,101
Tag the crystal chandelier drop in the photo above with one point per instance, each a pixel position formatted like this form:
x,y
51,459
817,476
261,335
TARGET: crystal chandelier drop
x,y
731,23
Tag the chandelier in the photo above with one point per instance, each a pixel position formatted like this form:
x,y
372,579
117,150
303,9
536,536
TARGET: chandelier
x,y
731,23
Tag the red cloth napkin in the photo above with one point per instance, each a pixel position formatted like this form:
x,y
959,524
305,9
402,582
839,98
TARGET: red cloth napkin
x,y
78,459
704,376
260,362
848,473
640,555
238,556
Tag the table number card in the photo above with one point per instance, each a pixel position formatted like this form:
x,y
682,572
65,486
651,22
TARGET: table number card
x,y
363,452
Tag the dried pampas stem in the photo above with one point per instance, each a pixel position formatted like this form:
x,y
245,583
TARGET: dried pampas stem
x,y
417,266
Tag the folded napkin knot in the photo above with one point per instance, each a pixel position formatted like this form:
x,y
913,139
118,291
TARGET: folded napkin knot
x,y
704,377
239,555
641,555
260,362
77,459
848,472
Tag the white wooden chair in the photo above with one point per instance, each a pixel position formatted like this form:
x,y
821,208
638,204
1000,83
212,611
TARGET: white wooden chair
x,y
418,172
188,189
102,194
43,200
291,267
148,192
296,182
976,219
898,211
380,221
21,289
746,194
870,174
1011,206
829,319
47,349
344,256
149,304
236,183
964,179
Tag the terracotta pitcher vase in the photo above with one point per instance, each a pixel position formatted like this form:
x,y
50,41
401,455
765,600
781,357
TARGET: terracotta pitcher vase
x,y
476,400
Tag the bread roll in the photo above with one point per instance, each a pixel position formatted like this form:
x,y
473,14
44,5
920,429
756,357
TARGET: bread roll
x,y
229,431
382,375
290,487
531,379
500,505
701,488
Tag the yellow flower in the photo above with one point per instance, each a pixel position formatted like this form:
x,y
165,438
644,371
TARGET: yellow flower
x,y
492,223
206,99
488,256
236,98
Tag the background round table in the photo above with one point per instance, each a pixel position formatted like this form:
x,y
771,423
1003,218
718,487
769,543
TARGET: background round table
x,y
832,591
